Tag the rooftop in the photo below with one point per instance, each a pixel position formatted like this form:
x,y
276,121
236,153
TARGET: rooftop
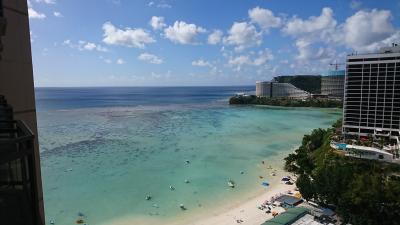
x,y
394,49
288,217
335,73
288,199
368,149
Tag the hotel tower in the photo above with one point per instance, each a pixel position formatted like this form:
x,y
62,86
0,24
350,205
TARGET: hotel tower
x,y
372,94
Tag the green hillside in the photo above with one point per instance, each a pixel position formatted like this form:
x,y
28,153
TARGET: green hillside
x,y
309,83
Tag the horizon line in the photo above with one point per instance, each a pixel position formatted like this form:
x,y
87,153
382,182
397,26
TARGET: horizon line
x,y
165,86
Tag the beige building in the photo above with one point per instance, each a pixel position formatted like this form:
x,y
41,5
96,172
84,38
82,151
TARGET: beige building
x,y
332,84
279,90
16,85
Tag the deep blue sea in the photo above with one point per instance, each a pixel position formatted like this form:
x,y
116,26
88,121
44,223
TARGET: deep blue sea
x,y
72,98
104,149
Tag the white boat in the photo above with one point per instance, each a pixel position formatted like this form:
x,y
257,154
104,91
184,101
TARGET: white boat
x,y
182,207
231,183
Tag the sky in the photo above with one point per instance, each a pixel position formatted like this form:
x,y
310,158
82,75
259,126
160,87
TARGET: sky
x,y
79,43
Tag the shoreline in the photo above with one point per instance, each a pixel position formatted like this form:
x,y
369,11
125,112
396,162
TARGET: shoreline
x,y
246,211
226,214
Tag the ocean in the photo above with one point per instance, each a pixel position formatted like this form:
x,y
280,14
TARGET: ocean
x,y
104,149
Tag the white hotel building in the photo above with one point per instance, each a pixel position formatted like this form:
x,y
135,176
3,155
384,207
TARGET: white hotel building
x,y
279,90
372,94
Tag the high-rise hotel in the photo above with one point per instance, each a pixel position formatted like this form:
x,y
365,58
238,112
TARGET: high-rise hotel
x,y
372,94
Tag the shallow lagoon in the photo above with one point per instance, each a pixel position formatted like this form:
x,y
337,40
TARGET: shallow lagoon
x,y
103,161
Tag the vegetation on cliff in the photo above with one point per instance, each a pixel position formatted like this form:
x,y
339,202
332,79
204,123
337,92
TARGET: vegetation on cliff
x,y
309,83
287,102
362,191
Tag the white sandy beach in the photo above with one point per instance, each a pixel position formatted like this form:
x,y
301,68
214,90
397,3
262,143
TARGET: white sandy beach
x,y
246,211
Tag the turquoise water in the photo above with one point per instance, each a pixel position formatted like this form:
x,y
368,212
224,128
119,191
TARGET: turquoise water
x,y
103,161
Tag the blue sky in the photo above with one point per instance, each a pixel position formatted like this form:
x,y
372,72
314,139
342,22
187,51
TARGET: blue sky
x,y
207,42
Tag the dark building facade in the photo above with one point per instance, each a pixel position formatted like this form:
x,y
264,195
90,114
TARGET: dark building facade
x,y
21,198
372,94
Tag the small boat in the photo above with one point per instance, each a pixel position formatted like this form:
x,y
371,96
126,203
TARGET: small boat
x,y
182,207
52,222
172,188
148,197
266,184
273,174
80,221
187,181
187,161
231,183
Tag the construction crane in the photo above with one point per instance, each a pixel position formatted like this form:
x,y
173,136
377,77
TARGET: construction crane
x,y
336,65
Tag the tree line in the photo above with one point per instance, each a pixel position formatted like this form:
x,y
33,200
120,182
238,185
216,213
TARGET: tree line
x,y
285,102
363,192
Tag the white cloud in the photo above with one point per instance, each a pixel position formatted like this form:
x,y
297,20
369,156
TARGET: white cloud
x,y
89,46
150,58
215,37
67,42
307,53
368,30
182,32
57,14
47,1
264,18
261,58
162,4
315,29
321,27
32,36
166,75
157,22
120,61
243,35
85,46
364,31
201,62
239,61
129,37
33,14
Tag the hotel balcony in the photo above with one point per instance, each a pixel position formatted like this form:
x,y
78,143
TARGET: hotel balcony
x,y
18,196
